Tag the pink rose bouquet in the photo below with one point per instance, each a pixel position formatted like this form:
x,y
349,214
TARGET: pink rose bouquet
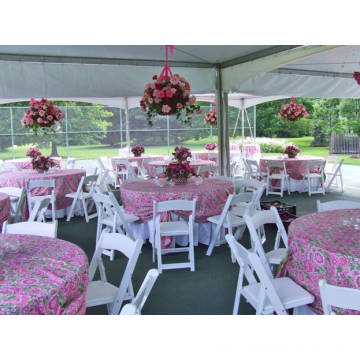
x,y
292,151
210,117
42,116
43,163
210,146
182,154
293,111
33,152
137,150
169,95
179,170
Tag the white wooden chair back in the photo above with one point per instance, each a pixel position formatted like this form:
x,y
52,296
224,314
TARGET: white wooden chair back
x,y
337,205
212,170
332,162
253,168
336,172
31,228
120,164
126,246
19,209
242,185
319,164
174,205
70,163
249,264
273,164
213,157
38,210
142,294
90,182
341,297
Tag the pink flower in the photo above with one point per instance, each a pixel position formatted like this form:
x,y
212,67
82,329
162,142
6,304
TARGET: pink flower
x,y
160,94
166,109
179,105
192,100
41,113
169,93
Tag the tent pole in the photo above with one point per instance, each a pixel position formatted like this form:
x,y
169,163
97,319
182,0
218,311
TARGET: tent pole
x,y
254,122
127,124
120,120
242,123
223,125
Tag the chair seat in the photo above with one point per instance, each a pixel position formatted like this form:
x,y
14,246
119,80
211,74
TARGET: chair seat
x,y
84,195
39,198
234,220
277,176
239,209
312,175
174,228
108,220
276,256
99,293
290,294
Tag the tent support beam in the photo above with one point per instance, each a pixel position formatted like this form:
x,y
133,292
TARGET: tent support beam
x,y
127,122
223,126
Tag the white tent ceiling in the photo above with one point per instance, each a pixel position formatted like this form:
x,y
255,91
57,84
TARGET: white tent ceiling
x,y
106,74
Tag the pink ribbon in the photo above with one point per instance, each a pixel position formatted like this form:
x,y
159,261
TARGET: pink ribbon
x,y
166,71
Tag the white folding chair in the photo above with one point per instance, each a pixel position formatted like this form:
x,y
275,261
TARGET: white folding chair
x,y
159,170
268,295
208,170
340,297
333,175
112,217
38,210
107,174
17,200
135,307
70,163
255,224
252,170
32,185
337,205
124,151
315,180
276,171
31,228
124,171
84,197
173,228
243,185
101,292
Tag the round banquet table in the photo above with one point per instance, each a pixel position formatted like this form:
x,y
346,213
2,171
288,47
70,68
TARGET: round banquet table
x,y
5,208
295,168
251,151
24,163
66,181
150,167
41,275
138,195
137,159
325,246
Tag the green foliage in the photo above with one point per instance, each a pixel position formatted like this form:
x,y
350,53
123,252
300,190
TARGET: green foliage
x,y
271,148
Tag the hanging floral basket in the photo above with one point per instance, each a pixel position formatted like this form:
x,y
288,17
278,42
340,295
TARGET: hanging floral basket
x,y
293,111
42,117
356,76
169,94
210,117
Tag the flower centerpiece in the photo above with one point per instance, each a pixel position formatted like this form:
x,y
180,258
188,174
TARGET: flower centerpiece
x,y
169,94
137,150
210,146
291,151
181,154
42,117
293,111
40,162
179,172
33,152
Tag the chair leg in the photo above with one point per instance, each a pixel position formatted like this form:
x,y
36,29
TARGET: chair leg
x,y
53,209
158,252
85,210
191,252
71,209
341,182
213,240
237,295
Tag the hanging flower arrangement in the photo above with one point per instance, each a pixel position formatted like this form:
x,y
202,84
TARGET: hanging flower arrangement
x,y
42,117
169,94
293,111
210,117
356,76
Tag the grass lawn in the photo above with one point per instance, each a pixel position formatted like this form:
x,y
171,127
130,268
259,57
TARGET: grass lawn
x,y
94,151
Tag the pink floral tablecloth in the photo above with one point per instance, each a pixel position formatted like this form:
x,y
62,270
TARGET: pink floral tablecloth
x,y
324,246
137,159
5,208
24,163
295,168
150,167
137,196
206,155
41,275
66,181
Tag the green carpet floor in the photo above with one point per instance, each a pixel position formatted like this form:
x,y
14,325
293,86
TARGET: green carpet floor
x,y
209,290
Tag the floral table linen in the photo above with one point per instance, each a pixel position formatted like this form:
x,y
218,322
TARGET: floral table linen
x,y
251,151
325,246
66,182
5,208
138,196
138,159
41,275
